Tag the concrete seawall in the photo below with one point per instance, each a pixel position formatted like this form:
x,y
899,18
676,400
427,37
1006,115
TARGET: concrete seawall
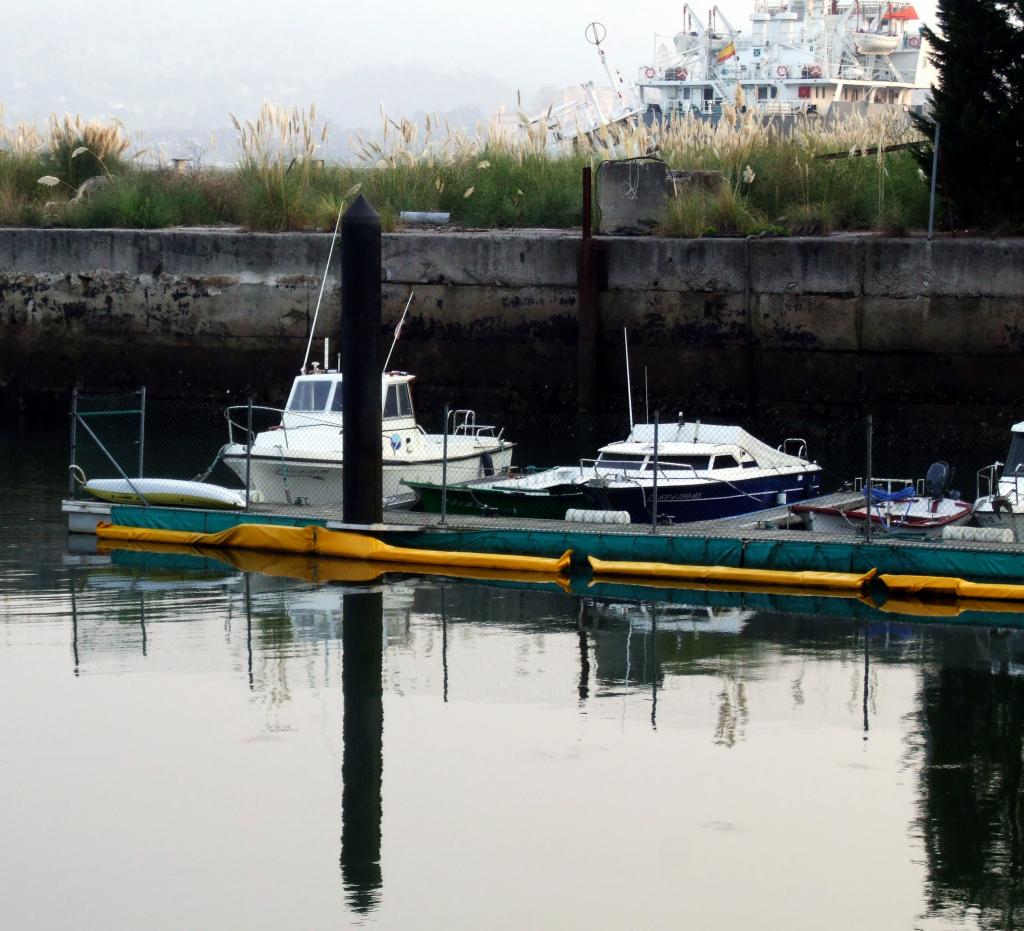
x,y
722,325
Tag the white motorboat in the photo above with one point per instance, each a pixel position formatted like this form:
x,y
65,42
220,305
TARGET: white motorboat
x,y
1002,505
298,460
697,472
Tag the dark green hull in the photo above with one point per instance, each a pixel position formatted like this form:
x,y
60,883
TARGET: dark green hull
x,y
482,500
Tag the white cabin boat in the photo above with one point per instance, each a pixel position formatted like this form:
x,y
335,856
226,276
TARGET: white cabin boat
x,y
1002,505
299,459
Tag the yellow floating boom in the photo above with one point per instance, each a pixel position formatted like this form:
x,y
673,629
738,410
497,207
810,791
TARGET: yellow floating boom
x,y
316,541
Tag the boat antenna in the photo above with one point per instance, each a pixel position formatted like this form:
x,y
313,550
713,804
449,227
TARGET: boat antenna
x,y
629,389
398,329
323,284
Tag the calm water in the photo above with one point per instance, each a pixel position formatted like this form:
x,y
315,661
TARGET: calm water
x,y
183,744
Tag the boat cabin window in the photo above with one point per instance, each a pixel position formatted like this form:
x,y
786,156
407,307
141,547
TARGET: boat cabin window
x,y
310,395
621,460
398,401
338,401
697,463
726,462
1014,467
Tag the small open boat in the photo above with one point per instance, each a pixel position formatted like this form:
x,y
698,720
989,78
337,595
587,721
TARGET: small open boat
x,y
895,509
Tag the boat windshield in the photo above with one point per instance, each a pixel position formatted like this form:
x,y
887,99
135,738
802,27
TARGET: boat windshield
x,y
310,395
697,463
621,460
398,401
1014,467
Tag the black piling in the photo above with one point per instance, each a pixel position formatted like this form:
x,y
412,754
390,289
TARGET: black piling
x,y
362,478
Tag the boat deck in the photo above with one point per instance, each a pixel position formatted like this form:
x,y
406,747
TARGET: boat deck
x,y
406,521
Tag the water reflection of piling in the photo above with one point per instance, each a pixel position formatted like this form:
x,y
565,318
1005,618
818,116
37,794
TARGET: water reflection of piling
x,y
363,757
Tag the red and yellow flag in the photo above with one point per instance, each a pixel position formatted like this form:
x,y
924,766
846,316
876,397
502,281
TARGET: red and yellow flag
x,y
726,53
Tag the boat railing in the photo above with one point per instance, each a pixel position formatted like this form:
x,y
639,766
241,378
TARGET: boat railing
x,y
791,442
989,475
890,485
305,419
626,468
463,423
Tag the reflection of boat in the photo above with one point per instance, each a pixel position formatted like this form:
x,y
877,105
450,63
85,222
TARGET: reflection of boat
x,y
896,505
647,616
1003,503
299,459
702,472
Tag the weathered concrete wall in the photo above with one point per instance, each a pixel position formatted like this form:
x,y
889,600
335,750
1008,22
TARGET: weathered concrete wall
x,y
720,324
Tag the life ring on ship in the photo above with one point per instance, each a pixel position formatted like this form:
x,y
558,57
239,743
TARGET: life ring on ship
x,y
782,71
682,74
815,71
915,42
648,73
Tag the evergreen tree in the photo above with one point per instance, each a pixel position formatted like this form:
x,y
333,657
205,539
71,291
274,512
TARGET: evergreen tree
x,y
979,105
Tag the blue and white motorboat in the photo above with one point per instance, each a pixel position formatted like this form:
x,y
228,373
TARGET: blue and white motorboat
x,y
704,472
699,472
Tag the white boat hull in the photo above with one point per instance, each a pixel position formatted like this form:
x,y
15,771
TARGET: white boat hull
x,y
169,492
985,516
295,478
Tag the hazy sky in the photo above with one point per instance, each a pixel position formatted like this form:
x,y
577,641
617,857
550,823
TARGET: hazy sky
x,y
202,57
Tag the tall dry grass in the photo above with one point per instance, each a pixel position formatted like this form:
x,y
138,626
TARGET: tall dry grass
x,y
499,175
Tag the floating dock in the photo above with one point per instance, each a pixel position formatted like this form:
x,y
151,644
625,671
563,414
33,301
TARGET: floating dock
x,y
754,543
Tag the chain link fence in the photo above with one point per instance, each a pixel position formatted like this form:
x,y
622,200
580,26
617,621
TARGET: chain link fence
x,y
669,474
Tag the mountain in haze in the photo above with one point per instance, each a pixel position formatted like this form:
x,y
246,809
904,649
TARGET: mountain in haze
x,y
187,107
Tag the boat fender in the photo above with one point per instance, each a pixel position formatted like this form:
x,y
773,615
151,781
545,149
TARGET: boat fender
x,y
979,534
584,516
648,73
486,464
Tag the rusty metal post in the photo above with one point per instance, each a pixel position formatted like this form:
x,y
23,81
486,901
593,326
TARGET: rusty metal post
x,y
586,313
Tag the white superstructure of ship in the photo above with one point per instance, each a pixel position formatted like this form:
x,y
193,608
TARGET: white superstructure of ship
x,y
798,56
